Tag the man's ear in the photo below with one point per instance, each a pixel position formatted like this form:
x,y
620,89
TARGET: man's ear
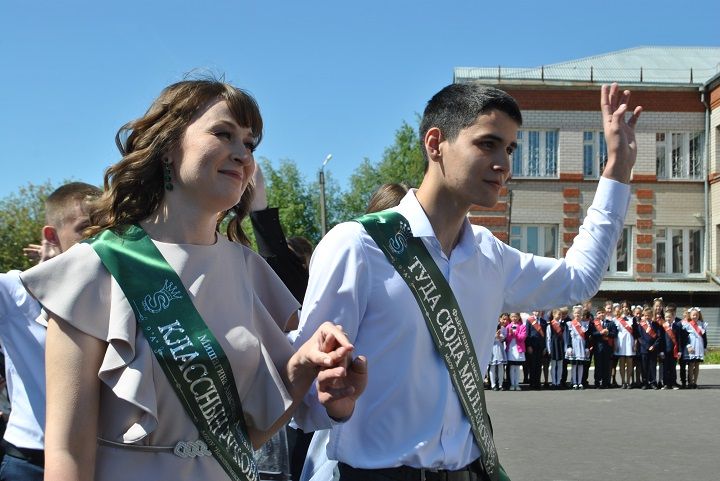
x,y
433,139
49,233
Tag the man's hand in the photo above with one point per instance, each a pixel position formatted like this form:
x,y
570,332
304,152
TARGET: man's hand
x,y
619,133
327,357
339,388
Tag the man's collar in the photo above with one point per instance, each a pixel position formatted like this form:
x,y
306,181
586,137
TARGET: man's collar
x,y
420,225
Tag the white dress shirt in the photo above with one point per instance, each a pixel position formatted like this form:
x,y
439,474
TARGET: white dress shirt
x,y
24,341
409,413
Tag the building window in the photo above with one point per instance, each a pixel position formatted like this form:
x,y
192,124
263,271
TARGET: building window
x,y
540,240
678,250
679,155
620,261
536,154
594,154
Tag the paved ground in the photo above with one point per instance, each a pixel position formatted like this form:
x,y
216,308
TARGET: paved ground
x,y
611,434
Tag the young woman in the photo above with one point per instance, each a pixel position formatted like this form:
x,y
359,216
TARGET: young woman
x,y
515,348
180,382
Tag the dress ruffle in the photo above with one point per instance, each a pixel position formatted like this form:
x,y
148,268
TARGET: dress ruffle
x,y
76,288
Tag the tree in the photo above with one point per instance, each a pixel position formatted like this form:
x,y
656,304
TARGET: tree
x,y
287,189
402,162
22,216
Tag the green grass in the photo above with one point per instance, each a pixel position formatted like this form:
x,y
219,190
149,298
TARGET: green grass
x,y
712,356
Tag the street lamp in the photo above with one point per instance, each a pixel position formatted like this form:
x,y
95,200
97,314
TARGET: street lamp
x,y
323,219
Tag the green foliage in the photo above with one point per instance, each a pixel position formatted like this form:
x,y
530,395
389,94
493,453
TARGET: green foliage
x,y
22,216
712,356
402,162
363,182
288,190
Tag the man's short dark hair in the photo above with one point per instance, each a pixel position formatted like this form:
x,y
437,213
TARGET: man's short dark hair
x,y
58,202
458,106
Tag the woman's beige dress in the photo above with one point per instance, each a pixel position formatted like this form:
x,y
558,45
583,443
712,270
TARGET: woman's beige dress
x,y
242,301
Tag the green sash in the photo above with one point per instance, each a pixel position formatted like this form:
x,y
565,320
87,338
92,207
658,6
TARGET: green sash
x,y
392,233
186,349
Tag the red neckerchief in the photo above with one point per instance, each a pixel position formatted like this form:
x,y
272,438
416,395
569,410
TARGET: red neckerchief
x,y
671,335
648,329
578,327
536,324
556,327
626,325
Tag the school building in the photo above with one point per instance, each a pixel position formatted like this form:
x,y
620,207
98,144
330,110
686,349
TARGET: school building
x,y
670,246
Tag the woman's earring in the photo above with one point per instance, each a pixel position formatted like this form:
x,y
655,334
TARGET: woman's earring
x,y
167,179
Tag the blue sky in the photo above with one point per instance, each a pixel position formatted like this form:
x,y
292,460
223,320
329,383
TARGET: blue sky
x,y
330,76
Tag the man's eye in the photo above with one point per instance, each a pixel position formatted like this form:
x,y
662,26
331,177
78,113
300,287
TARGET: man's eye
x,y
224,135
250,146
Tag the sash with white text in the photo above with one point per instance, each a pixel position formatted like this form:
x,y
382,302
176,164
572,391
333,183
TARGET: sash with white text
x,y
186,349
409,256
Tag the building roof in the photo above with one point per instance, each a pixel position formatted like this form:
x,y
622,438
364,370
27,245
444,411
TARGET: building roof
x,y
676,66
659,286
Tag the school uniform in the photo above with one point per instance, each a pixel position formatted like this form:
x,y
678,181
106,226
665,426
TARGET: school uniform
x,y
648,347
671,339
577,348
603,347
555,345
677,327
534,348
498,359
563,381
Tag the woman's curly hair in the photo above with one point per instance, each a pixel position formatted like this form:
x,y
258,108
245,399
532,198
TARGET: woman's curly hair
x,y
134,187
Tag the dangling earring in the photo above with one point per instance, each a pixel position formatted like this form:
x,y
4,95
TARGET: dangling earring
x,y
167,179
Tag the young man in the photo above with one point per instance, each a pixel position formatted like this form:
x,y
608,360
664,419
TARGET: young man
x,y
24,338
409,423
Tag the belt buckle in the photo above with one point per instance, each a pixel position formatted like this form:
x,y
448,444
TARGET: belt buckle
x,y
191,449
424,471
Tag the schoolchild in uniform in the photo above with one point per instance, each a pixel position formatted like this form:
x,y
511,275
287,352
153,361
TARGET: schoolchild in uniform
x,y
566,319
535,347
659,319
604,336
625,346
649,343
515,348
694,346
609,315
677,329
555,346
588,317
499,358
576,346
671,337
637,365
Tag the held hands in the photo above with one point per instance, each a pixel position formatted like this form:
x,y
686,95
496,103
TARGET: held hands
x,y
619,133
340,378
